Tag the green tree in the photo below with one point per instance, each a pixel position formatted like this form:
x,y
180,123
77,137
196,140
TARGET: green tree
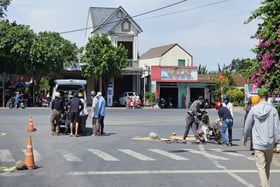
x,y
267,69
103,60
202,69
15,43
49,53
3,7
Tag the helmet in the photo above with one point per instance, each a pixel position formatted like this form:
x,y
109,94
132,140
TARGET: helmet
x,y
92,93
80,94
218,105
255,99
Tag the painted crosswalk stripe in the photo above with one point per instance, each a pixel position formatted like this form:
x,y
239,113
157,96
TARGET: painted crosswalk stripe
x,y
206,154
232,153
167,154
5,156
136,155
70,157
36,154
103,155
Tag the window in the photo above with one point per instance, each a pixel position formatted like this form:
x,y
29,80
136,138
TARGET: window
x,y
126,26
181,62
119,14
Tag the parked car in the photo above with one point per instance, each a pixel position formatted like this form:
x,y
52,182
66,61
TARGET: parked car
x,y
124,97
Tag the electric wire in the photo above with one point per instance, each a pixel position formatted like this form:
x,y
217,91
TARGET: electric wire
x,y
148,12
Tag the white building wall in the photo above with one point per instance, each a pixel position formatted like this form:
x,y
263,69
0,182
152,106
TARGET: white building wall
x,y
172,56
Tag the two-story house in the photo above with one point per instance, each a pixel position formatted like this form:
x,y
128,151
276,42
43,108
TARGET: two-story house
x,y
121,29
172,75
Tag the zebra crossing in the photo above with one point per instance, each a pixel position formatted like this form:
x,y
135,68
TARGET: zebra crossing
x,y
214,154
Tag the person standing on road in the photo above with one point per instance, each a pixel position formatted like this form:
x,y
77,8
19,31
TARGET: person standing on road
x,y
102,105
263,121
191,121
56,109
228,104
94,112
83,114
75,106
227,123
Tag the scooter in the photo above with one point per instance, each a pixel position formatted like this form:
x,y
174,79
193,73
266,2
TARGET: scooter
x,y
11,102
134,104
209,132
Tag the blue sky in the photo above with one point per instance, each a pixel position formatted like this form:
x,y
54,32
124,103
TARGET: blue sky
x,y
212,31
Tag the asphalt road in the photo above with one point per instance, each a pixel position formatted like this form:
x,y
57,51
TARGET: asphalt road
x,y
115,159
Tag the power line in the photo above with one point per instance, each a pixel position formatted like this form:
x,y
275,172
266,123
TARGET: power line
x,y
189,9
148,12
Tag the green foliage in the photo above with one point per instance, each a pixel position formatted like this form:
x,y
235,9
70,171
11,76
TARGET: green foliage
x,y
49,52
267,70
202,69
236,96
3,7
44,84
102,59
149,96
15,43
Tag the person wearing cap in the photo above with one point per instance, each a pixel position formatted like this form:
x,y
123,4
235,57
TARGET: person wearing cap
x,y
191,121
226,119
94,112
75,106
56,109
101,107
263,121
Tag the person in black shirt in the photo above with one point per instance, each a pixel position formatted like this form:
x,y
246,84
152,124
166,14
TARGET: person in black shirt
x,y
56,107
75,106
227,123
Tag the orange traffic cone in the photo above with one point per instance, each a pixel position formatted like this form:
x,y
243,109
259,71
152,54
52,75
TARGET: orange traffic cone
x,y
30,125
29,157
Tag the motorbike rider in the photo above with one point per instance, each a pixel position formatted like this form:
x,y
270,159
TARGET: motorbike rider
x,y
191,119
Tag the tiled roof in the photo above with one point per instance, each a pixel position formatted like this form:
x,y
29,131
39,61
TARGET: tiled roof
x,y
101,16
157,51
238,80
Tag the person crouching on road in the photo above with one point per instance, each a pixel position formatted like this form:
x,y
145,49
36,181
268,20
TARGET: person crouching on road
x,y
56,108
191,121
75,106
227,123
263,121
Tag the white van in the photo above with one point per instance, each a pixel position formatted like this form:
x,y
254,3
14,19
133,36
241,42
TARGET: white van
x,y
69,87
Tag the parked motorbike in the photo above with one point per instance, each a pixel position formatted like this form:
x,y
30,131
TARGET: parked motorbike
x,y
134,102
209,132
11,102
165,103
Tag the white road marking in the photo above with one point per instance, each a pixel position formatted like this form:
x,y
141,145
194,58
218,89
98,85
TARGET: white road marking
x,y
136,155
70,157
6,156
103,155
167,154
206,154
232,153
163,172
